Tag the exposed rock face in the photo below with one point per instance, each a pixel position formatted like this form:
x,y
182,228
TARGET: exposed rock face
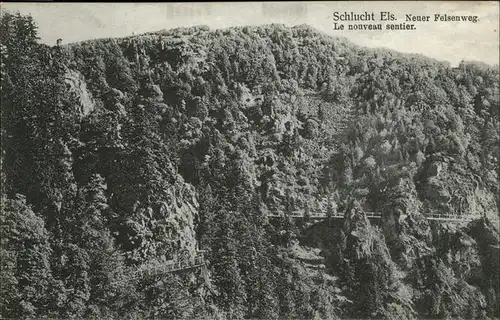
x,y
77,85
165,230
308,255
453,190
180,216
421,267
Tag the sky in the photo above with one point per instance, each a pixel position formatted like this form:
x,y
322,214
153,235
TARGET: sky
x,y
442,40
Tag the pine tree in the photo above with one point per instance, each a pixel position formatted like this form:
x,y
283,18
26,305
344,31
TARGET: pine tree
x,y
226,273
26,278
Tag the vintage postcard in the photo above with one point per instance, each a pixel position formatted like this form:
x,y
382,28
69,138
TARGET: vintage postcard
x,y
250,160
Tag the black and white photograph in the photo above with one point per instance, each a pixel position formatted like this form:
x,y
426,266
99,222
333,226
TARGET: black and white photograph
x,y
250,160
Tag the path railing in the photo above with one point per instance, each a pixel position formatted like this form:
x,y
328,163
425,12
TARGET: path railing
x,y
374,215
322,215
173,266
167,267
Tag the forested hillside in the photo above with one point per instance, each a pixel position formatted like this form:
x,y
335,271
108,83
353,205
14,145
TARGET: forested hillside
x,y
119,154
